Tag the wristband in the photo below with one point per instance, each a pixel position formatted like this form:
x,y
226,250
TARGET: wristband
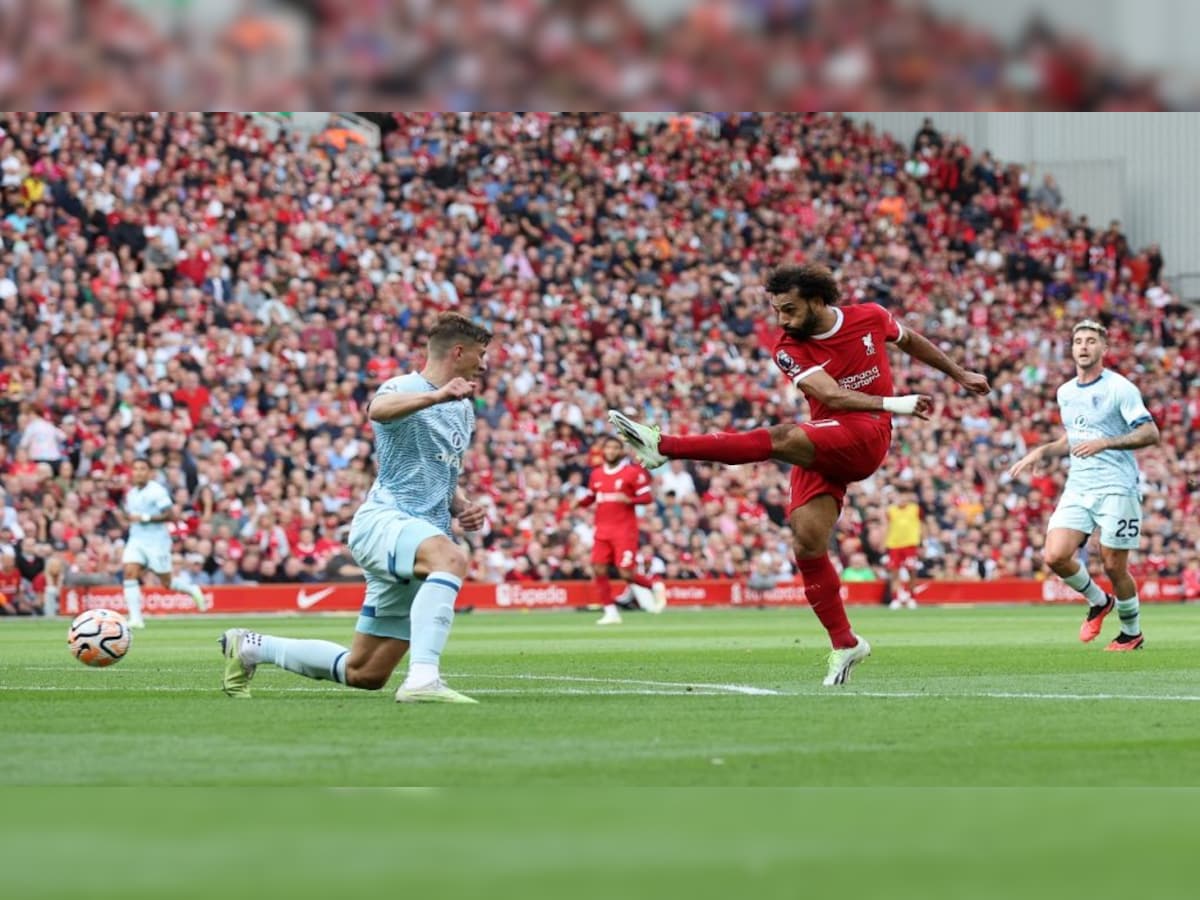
x,y
904,406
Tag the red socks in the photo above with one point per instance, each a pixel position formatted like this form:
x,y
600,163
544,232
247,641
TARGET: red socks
x,y
823,589
603,590
731,448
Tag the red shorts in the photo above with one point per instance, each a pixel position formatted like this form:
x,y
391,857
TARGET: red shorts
x,y
848,449
615,550
901,558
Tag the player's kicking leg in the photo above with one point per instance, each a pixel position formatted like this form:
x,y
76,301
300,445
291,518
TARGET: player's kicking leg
x,y
1061,545
857,450
642,439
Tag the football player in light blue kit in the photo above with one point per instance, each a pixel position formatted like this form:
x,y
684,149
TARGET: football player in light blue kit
x,y
148,508
1106,420
400,536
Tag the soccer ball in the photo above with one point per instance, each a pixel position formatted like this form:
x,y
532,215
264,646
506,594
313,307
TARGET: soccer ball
x,y
99,637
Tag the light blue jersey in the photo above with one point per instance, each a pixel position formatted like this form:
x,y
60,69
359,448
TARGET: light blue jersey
x,y
151,500
418,458
1110,406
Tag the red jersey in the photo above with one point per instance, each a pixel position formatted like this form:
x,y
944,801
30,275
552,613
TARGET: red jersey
x,y
852,352
616,492
10,584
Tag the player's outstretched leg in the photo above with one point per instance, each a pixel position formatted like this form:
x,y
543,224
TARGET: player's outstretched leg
x,y
238,672
642,439
653,448
245,650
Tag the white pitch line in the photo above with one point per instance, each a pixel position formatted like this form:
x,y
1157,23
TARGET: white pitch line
x,y
510,692
695,686
637,687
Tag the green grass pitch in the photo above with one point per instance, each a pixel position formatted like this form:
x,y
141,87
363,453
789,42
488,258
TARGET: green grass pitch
x,y
979,697
980,752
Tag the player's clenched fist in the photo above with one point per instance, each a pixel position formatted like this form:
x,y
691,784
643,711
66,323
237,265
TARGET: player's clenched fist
x,y
458,389
975,383
472,517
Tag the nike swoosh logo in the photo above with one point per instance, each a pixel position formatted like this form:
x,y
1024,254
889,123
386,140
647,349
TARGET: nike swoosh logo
x,y
305,600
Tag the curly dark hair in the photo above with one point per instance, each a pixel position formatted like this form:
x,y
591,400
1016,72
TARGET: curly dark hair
x,y
813,281
451,329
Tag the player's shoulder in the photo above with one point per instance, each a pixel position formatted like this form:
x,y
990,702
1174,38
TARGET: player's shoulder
x,y
864,312
636,469
1118,383
408,383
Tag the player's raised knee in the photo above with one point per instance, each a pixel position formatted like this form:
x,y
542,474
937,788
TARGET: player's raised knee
x,y
1058,557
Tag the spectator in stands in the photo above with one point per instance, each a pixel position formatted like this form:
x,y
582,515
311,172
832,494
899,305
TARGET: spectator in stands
x,y
621,291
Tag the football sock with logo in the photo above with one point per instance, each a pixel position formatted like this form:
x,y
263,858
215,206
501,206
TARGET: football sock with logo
x,y
823,590
133,598
1082,582
322,660
731,448
1128,612
431,617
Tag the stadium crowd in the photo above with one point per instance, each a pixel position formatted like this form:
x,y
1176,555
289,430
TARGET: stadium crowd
x,y
180,287
534,54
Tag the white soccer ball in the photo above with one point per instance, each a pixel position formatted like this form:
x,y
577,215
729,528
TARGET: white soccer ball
x,y
99,637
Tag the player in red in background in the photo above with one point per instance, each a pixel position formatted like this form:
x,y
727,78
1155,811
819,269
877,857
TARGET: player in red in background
x,y
616,487
837,357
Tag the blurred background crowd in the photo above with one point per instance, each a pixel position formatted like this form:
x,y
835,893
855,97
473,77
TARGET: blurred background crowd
x,y
185,287
537,54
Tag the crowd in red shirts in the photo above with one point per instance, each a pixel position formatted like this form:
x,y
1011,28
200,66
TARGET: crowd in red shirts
x,y
180,287
534,54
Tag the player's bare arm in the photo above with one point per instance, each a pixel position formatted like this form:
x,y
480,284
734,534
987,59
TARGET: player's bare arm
x,y
389,407
1145,435
921,348
823,388
1057,447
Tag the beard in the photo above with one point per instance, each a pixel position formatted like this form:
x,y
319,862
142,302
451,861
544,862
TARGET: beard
x,y
805,329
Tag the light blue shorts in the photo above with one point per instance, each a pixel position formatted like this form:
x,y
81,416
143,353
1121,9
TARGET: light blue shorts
x,y
1118,516
384,542
152,555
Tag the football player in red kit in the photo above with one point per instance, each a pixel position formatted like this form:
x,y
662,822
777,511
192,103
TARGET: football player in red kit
x,y
836,356
616,487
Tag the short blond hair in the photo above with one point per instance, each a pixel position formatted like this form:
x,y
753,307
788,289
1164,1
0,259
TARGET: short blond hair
x,y
1091,325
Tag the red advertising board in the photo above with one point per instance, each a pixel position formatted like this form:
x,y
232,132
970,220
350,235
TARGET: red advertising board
x,y
277,598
